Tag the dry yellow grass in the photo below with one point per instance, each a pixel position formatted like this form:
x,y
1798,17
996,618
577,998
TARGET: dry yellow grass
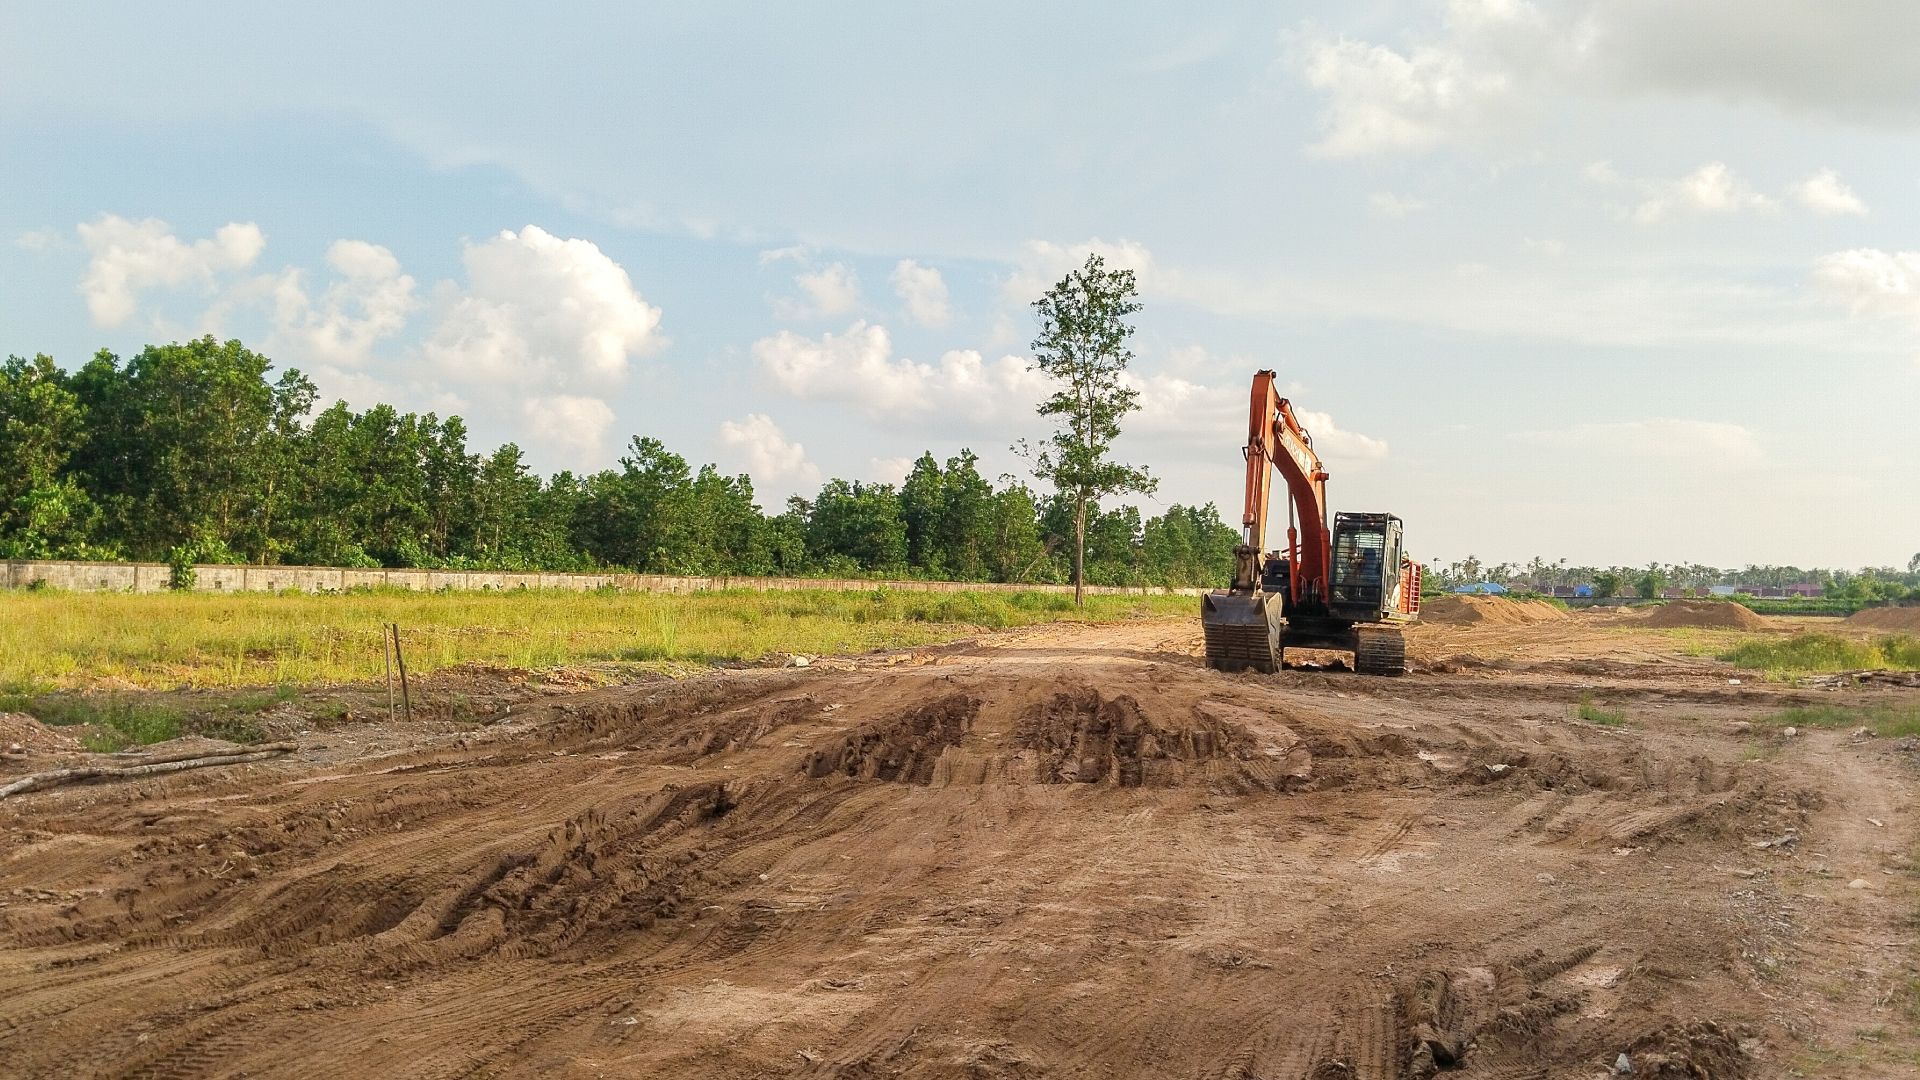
x,y
51,640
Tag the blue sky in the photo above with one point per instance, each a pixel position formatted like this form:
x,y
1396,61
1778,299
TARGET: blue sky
x,y
1610,282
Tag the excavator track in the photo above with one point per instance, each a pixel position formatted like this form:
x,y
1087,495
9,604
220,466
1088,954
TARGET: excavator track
x,y
1380,651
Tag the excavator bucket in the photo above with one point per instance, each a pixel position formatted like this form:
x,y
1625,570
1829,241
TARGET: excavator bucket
x,y
1242,631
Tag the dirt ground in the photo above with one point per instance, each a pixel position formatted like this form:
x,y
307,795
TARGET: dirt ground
x,y
1055,852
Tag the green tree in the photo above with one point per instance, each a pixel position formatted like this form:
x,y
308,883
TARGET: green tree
x,y
44,512
1913,564
1606,584
922,508
1653,581
1082,347
857,526
966,520
181,443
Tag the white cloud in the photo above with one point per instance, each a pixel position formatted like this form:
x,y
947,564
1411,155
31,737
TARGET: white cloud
x,y
858,368
1872,282
1042,263
1335,442
1826,194
339,328
888,470
1712,188
830,290
572,429
1678,444
924,292
783,254
538,312
1196,414
127,258
768,456
41,241
1385,204
1491,60
1382,101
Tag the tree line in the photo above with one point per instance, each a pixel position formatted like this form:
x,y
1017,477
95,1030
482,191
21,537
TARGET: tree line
x,y
1866,584
199,452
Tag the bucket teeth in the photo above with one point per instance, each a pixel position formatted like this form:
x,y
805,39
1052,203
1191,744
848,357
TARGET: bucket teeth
x,y
1239,633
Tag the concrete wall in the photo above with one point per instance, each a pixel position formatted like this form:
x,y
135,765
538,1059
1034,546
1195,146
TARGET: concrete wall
x,y
152,577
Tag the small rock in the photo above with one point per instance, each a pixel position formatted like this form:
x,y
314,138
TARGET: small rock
x,y
1545,879
1790,732
1740,727
1859,883
1876,823
1623,1064
1498,769
800,661
1863,733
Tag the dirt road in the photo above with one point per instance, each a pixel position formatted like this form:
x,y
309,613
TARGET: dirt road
x,y
1058,852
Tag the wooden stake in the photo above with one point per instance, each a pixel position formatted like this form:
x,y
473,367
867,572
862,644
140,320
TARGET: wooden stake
x,y
386,656
400,658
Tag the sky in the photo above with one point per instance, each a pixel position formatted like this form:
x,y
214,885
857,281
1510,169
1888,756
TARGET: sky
x,y
1604,281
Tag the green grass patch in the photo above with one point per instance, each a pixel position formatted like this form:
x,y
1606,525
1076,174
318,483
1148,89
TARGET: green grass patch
x,y
1813,653
273,644
1886,721
1594,714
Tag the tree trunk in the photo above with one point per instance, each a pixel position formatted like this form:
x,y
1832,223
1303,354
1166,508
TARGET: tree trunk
x,y
1079,549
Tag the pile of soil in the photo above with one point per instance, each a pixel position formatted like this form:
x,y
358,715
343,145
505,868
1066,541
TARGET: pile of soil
x,y
19,729
1886,618
1705,614
1461,609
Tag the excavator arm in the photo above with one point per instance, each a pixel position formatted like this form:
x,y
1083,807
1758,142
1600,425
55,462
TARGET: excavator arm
x,y
1277,443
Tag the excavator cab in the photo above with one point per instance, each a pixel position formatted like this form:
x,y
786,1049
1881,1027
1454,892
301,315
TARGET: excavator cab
x,y
1366,566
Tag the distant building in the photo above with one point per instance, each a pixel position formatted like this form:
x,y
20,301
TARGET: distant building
x,y
1807,589
1487,587
1721,590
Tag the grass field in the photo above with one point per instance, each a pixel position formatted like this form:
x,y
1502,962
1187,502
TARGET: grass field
x,y
77,641
1804,654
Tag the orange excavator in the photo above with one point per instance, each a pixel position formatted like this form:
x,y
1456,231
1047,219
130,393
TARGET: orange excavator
x,y
1343,584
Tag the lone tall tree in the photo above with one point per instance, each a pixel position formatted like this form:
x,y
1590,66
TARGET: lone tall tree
x,y
1082,346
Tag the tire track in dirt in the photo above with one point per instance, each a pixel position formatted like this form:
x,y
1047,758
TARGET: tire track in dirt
x,y
1016,862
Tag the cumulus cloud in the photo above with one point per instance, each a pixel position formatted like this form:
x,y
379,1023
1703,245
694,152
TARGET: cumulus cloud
x,y
924,292
858,368
1712,188
1872,282
888,470
1042,263
1335,442
1182,410
338,329
541,311
1826,194
127,258
767,455
571,428
830,290
1379,100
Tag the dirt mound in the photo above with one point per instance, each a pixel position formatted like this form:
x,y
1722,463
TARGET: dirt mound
x,y
1705,614
1886,618
32,736
902,749
1460,609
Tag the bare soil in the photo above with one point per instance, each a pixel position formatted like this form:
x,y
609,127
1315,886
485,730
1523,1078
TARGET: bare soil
x,y
1062,851
1723,614
1887,618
